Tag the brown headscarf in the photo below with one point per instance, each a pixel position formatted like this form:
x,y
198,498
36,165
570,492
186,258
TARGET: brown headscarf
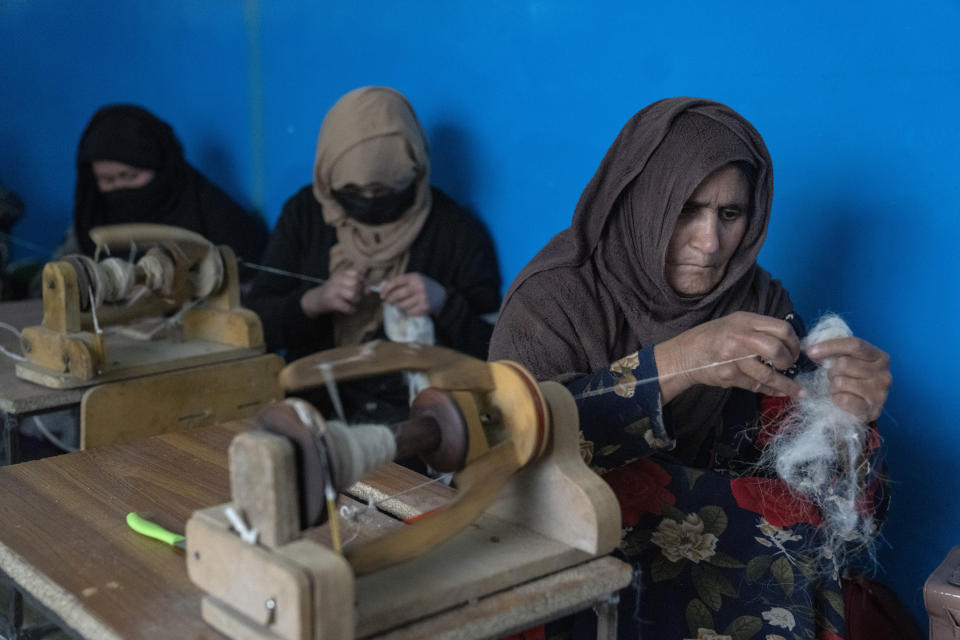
x,y
598,290
371,135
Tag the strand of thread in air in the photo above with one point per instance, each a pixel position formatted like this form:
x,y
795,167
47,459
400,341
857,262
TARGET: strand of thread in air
x,y
623,386
350,512
282,272
16,332
26,244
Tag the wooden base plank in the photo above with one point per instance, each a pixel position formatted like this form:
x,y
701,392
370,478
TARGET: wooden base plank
x,y
131,358
524,606
488,556
198,396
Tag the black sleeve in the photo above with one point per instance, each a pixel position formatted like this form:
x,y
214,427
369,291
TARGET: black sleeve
x,y
293,247
471,277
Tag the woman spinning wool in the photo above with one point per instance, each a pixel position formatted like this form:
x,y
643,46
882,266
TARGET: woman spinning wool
x,y
656,281
374,239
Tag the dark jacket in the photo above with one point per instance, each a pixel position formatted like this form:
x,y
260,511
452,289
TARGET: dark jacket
x,y
453,248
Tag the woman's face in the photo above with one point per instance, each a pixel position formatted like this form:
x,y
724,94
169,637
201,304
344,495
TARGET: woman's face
x,y
112,175
708,232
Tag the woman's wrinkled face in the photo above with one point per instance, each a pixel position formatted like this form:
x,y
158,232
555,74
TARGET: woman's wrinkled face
x,y
112,175
708,232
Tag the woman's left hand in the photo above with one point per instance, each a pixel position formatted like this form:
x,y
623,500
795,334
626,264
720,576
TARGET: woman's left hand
x,y
860,376
415,293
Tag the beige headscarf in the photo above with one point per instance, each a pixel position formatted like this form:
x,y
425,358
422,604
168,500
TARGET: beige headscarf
x,y
371,135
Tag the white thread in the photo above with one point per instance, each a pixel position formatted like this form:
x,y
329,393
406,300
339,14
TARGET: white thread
x,y
42,428
623,386
326,370
138,292
281,272
366,352
356,532
332,390
165,323
10,354
26,244
93,312
352,512
247,534
445,478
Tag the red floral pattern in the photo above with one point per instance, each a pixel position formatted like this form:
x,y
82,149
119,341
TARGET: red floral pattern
x,y
772,499
640,487
771,410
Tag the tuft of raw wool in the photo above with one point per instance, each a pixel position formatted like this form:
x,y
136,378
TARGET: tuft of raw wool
x,y
819,451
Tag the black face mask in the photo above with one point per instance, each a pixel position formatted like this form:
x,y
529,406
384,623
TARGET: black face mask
x,y
143,204
374,210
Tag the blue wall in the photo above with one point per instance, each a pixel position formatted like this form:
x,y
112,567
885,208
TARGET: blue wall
x,y
857,102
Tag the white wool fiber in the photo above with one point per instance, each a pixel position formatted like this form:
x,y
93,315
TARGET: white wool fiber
x,y
400,327
819,452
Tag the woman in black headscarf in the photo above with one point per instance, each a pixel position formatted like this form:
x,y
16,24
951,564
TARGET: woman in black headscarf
x,y
131,168
652,310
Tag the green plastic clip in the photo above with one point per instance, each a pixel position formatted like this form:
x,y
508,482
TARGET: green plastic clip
x,y
155,531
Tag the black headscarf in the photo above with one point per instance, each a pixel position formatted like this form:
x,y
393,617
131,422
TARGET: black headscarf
x,y
178,195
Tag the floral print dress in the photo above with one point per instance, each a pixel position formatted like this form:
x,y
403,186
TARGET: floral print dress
x,y
718,552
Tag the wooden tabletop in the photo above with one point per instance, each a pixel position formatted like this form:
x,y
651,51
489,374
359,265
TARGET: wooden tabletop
x,y
22,313
64,539
19,396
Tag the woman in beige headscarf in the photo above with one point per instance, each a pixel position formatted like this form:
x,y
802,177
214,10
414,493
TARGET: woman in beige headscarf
x,y
372,231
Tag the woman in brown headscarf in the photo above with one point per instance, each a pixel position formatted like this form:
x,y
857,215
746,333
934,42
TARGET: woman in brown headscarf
x,y
370,230
633,307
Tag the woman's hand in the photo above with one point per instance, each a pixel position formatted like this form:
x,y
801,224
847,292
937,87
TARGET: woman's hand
x,y
859,375
338,294
682,361
415,293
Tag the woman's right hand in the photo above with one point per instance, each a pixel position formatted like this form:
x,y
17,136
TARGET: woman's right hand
x,y
682,361
339,294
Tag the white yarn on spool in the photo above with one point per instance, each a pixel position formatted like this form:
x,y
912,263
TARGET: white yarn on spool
x,y
158,271
118,278
818,452
207,276
359,448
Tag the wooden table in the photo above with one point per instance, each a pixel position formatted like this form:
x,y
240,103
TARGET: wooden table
x,y
64,541
20,399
